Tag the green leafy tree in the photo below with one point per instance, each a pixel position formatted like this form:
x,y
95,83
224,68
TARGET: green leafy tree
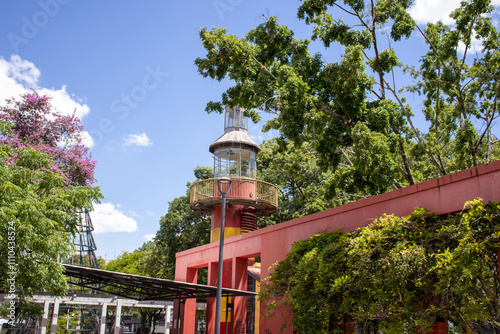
x,y
43,188
126,262
294,170
295,283
351,113
138,262
143,261
39,215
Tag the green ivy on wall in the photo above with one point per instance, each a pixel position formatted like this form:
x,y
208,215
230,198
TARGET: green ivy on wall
x,y
397,275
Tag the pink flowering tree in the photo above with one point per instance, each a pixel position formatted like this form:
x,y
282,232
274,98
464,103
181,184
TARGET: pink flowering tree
x,y
46,177
36,125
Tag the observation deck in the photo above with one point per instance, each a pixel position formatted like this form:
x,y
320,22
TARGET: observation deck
x,y
260,195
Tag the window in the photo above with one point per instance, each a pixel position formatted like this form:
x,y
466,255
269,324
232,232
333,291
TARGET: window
x,y
235,119
235,162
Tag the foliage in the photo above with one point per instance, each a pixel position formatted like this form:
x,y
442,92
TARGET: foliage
x,y
350,113
34,124
396,275
75,317
138,262
39,214
300,181
295,282
42,194
24,309
149,318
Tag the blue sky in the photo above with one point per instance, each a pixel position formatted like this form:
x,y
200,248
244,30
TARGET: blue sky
x,y
127,68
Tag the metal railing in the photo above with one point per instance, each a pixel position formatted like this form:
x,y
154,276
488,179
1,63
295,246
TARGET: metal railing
x,y
242,189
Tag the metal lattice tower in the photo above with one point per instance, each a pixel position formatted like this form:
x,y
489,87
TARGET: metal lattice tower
x,y
85,246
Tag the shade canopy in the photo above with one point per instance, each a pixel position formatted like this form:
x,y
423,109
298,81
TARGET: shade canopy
x,y
143,287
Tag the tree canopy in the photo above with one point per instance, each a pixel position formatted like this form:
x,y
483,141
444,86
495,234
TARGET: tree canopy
x,y
136,262
300,181
357,122
45,177
34,124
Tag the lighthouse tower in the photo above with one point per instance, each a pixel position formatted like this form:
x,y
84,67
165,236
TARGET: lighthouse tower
x,y
248,198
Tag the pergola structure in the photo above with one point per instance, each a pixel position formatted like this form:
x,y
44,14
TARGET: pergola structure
x,y
134,291
143,287
101,302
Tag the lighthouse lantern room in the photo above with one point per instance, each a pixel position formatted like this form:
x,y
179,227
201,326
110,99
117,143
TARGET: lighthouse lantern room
x,y
235,155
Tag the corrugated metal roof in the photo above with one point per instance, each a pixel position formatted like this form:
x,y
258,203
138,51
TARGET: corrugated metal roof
x,y
143,287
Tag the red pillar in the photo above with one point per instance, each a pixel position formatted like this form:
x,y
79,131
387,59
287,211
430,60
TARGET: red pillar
x,y
178,316
212,280
240,280
232,227
227,274
226,313
440,327
185,310
498,260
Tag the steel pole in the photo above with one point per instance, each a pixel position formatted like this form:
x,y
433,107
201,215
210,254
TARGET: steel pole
x,y
218,304
221,264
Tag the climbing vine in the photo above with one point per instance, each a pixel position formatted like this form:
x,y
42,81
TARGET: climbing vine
x,y
397,275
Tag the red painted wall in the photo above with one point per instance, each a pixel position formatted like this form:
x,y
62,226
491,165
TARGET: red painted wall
x,y
442,195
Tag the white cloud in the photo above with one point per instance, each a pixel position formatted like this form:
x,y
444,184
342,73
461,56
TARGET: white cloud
x,y
23,71
107,217
475,46
132,213
137,140
87,139
18,76
64,103
149,237
434,10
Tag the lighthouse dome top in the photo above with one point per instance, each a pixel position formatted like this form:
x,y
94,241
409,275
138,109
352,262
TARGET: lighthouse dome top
x,y
235,132
235,139
234,119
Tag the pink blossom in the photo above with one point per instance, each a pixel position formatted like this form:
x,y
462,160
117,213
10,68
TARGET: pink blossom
x,y
36,126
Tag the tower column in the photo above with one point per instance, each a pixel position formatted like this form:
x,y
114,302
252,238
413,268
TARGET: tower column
x,y
55,316
45,317
235,157
232,222
104,313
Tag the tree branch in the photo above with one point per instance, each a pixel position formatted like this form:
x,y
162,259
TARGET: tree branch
x,y
265,69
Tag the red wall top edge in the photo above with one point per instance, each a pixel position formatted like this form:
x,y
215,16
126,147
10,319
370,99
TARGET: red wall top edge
x,y
374,200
